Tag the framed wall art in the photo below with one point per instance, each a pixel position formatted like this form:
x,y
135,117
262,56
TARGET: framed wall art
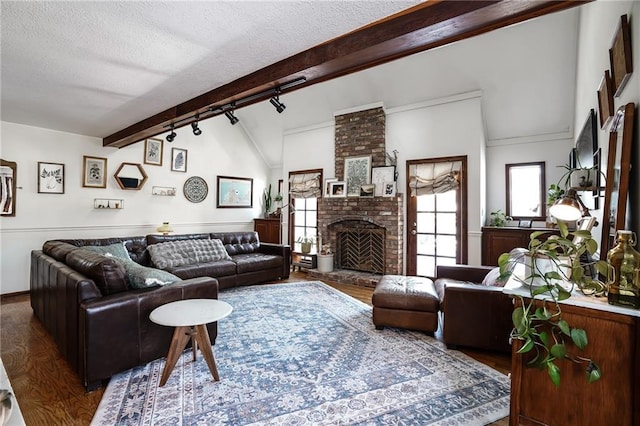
x,y
94,172
50,178
357,172
234,192
8,177
178,160
153,151
389,189
605,100
616,193
367,190
338,189
620,56
380,175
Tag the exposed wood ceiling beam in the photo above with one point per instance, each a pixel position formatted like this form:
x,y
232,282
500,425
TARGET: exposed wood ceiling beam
x,y
426,26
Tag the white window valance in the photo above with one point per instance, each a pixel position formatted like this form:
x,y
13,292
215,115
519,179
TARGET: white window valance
x,y
434,178
305,185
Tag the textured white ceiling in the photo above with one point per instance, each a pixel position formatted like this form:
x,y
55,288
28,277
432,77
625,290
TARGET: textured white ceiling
x,y
94,68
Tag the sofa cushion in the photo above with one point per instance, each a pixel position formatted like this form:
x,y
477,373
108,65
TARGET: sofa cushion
x,y
253,262
217,269
186,252
58,249
140,276
109,275
239,242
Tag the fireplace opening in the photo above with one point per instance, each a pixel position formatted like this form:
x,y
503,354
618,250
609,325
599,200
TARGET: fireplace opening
x,y
361,249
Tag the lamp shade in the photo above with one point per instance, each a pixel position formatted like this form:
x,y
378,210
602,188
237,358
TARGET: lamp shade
x,y
164,228
568,208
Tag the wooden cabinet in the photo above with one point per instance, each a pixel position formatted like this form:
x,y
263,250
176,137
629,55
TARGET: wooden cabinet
x,y
496,241
612,400
268,230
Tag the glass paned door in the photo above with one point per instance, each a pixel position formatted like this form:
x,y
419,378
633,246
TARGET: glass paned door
x,y
436,234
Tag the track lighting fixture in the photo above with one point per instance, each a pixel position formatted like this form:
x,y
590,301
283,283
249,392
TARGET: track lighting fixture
x,y
275,101
194,126
232,118
171,136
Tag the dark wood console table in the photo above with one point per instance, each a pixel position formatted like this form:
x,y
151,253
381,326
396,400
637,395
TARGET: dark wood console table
x,y
268,230
496,241
614,344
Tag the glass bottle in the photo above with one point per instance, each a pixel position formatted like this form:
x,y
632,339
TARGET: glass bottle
x,y
624,272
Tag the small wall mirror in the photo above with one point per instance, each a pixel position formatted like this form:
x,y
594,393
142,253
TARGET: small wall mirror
x,y
130,176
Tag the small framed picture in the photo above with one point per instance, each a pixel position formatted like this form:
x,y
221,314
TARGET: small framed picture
x,y
389,189
178,160
153,151
605,100
338,189
380,175
367,190
94,172
524,224
327,186
620,56
50,178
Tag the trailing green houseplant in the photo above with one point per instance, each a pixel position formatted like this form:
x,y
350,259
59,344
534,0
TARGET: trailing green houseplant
x,y
538,322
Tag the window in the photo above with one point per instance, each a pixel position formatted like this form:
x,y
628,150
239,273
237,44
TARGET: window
x,y
305,220
304,188
526,190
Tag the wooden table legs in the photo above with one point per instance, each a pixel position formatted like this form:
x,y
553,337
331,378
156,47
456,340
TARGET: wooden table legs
x,y
199,336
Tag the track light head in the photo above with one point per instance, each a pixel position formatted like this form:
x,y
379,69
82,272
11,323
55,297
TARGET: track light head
x,y
171,136
232,118
196,129
279,106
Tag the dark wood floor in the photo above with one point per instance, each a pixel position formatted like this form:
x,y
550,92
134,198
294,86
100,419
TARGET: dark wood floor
x,y
50,393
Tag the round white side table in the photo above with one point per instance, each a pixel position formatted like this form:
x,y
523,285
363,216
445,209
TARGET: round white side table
x,y
190,318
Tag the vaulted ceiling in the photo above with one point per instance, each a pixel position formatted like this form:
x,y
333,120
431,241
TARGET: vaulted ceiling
x,y
95,68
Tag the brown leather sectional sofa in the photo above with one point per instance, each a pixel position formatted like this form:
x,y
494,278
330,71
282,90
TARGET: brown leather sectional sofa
x,y
103,328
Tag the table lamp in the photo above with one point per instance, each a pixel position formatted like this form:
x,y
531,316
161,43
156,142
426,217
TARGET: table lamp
x,y
569,208
165,229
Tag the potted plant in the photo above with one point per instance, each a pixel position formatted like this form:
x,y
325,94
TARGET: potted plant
x,y
306,242
499,218
552,268
278,200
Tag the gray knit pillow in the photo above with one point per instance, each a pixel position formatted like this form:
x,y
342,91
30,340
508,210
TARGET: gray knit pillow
x,y
186,252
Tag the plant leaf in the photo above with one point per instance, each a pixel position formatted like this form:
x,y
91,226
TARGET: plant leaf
x,y
554,373
544,338
559,350
562,293
579,337
528,345
593,372
564,327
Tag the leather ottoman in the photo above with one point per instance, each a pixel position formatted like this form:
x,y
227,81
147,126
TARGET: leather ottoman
x,y
406,302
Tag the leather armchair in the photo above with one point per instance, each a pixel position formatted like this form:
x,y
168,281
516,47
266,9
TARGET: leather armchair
x,y
474,315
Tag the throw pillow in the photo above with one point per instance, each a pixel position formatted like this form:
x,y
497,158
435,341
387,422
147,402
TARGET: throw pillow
x,y
492,279
117,250
143,277
108,274
187,252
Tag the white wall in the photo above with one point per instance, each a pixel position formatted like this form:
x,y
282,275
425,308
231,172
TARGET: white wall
x,y
598,23
220,150
438,128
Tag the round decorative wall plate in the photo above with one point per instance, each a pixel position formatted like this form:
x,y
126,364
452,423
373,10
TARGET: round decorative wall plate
x,y
195,189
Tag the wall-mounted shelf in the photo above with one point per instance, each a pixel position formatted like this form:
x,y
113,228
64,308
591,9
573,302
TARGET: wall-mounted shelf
x,y
108,203
167,191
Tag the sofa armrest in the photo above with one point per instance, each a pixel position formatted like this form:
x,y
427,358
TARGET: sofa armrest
x,y
474,274
477,316
116,333
283,250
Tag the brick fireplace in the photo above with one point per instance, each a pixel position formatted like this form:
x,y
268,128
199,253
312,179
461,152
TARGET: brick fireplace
x,y
369,221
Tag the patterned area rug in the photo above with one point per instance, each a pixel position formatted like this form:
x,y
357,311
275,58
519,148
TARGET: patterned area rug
x,y
307,354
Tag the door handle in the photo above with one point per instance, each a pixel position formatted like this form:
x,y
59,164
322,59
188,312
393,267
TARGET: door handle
x,y
414,232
